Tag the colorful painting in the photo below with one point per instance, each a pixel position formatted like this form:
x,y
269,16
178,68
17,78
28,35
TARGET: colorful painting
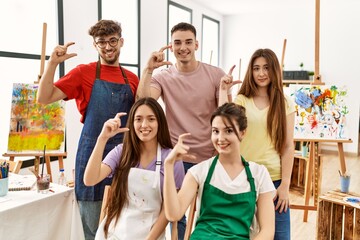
x,y
33,125
320,111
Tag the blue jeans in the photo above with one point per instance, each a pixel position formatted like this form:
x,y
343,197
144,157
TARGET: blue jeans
x,y
282,221
181,226
90,213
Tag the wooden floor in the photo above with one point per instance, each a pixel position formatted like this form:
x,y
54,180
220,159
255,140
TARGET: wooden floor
x,y
330,180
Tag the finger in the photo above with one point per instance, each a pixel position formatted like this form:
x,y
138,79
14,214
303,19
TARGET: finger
x,y
164,48
121,130
236,82
163,63
70,55
69,44
277,205
188,157
231,70
120,114
182,136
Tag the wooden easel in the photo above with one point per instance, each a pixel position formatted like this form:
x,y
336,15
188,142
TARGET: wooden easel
x,y
37,156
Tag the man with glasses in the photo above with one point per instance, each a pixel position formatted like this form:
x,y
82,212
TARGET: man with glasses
x,y
190,91
101,89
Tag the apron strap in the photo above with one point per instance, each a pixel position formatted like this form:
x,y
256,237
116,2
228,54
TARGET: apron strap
x,y
157,166
211,170
249,175
247,169
98,70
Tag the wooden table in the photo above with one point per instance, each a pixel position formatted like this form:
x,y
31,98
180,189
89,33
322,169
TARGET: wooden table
x,y
313,186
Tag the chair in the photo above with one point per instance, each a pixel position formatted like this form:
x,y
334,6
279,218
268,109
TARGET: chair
x,y
107,190
190,219
14,166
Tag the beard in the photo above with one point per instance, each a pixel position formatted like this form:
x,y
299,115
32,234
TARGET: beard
x,y
110,60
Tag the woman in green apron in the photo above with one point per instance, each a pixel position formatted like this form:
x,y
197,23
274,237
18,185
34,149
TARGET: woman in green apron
x,y
232,193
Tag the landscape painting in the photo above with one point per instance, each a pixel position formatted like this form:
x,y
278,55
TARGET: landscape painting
x,y
321,111
33,125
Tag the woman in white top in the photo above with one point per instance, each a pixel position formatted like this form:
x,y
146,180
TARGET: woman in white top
x,y
134,207
230,190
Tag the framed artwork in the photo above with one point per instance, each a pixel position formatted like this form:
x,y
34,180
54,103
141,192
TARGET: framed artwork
x,y
320,111
33,125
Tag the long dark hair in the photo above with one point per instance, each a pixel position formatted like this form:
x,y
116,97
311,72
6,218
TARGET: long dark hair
x,y
276,118
130,157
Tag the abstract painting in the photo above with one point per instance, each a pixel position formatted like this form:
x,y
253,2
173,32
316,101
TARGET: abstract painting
x,y
33,125
320,111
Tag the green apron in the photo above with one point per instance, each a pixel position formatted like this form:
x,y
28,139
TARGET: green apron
x,y
222,215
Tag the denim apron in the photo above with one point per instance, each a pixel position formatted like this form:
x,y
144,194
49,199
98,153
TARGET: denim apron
x,y
106,100
222,215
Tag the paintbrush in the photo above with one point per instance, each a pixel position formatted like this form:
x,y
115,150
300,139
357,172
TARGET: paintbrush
x,y
43,161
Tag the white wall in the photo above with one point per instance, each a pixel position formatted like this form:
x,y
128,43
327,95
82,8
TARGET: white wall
x,y
240,36
339,44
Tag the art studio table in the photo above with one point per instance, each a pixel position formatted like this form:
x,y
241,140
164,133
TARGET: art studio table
x,y
35,216
313,171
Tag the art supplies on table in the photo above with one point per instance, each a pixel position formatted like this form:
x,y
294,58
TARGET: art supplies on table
x,y
21,182
4,170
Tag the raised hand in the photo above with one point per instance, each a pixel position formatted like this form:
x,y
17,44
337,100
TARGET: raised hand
x,y
113,126
60,54
180,150
157,59
227,81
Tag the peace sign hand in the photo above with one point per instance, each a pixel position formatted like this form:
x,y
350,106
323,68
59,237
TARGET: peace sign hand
x,y
227,81
157,59
60,54
112,127
180,150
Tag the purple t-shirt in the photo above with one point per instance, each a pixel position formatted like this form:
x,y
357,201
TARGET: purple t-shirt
x,y
113,157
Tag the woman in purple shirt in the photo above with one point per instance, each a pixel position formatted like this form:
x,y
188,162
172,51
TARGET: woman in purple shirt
x,y
135,206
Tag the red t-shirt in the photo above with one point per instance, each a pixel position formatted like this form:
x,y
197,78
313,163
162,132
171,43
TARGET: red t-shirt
x,y
77,84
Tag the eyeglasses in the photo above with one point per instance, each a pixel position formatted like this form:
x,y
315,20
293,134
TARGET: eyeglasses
x,y
112,42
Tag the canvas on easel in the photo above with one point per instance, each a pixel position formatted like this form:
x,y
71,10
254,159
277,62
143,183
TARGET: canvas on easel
x,y
321,111
33,125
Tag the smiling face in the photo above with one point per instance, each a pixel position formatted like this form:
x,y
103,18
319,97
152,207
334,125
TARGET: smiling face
x,y
109,55
224,137
260,70
145,124
184,45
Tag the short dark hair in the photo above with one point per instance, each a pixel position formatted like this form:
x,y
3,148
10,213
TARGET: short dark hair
x,y
183,26
105,28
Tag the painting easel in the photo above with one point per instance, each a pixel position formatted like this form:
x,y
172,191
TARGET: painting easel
x,y
313,169
37,156
60,155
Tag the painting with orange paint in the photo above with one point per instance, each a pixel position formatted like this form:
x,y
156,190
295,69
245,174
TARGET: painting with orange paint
x,y
320,111
33,125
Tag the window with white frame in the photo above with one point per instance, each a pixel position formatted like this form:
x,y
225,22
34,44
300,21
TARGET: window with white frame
x,y
21,47
177,14
127,14
210,41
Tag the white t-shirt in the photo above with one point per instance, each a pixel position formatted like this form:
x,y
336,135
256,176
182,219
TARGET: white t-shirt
x,y
221,180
